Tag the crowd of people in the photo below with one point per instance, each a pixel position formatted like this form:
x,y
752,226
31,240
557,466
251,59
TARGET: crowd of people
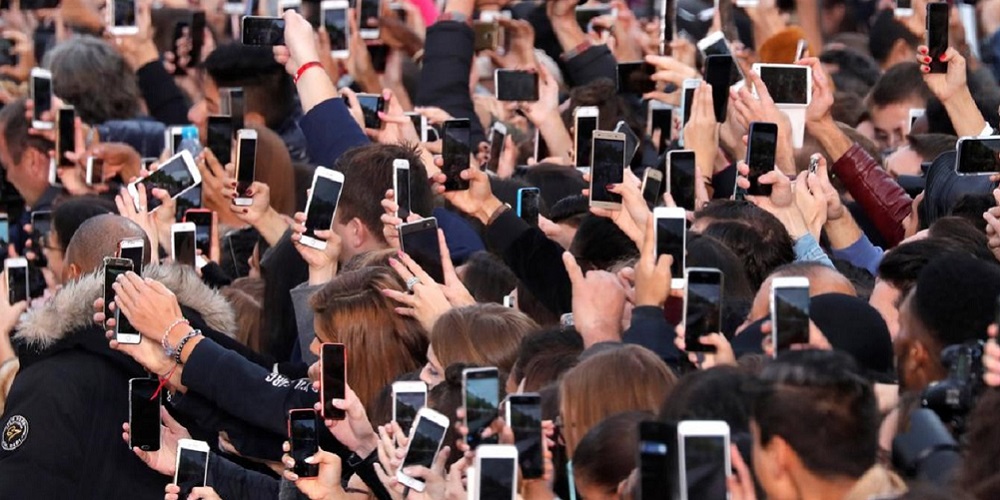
x,y
891,395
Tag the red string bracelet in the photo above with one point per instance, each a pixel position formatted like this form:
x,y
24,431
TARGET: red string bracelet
x,y
305,67
163,382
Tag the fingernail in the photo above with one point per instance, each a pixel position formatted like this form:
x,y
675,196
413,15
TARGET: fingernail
x,y
942,57
927,60
309,460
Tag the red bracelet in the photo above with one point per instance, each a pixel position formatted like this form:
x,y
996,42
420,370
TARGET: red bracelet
x,y
305,67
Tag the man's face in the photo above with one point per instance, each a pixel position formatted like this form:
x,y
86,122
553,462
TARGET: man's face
x,y
891,121
904,161
19,174
913,355
885,300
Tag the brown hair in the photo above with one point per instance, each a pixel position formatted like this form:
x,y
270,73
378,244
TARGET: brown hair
x,y
482,335
381,344
246,296
275,170
622,379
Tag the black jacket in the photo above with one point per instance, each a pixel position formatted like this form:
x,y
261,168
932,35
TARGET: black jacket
x,y
944,187
444,79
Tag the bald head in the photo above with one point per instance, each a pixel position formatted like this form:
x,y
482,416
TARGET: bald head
x,y
98,238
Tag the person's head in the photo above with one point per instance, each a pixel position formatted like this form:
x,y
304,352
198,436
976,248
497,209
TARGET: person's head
x,y
246,296
276,169
556,182
67,217
602,93
566,215
962,235
823,387
853,326
92,76
900,89
612,381
352,310
891,42
480,334
95,239
24,156
719,393
706,251
970,208
851,71
543,357
822,279
600,244
919,149
952,303
487,278
368,175
757,237
606,455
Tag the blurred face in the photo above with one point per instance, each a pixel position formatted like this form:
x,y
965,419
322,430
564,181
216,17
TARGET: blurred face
x,y
884,299
26,179
594,491
199,113
766,469
433,373
914,364
54,252
905,161
890,123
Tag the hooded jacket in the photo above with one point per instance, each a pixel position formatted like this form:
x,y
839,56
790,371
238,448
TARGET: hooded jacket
x,y
61,434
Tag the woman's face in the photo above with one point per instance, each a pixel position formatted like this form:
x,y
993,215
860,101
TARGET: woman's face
x,y
433,373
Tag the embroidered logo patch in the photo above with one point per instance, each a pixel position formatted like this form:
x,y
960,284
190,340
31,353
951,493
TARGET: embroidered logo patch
x,y
14,433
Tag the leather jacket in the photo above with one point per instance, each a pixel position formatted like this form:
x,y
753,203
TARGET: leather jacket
x,y
878,194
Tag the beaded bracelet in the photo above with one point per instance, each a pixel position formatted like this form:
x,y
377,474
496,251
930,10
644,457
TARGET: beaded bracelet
x,y
180,346
166,334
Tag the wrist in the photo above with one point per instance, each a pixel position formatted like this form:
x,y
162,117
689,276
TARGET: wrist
x,y
795,224
487,209
145,54
320,275
367,446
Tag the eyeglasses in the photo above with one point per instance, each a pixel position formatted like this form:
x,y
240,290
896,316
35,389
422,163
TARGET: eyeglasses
x,y
46,244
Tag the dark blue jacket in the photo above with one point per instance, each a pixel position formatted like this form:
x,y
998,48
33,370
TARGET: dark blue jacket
x,y
330,130
145,135
444,79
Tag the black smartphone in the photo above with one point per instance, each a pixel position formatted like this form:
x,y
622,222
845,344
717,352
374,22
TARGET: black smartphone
x,y
234,106
687,104
220,137
175,43
197,31
702,307
608,167
371,105
786,84
635,78
498,134
17,280
203,221
762,145
937,35
655,439
528,200
246,165
303,439
65,135
789,312
456,152
125,333
631,140
978,156
481,390
671,239
652,184
7,55
718,74
680,181
41,223
144,414
379,53
322,205
420,241
585,124
263,31
660,118
514,85
524,416
333,366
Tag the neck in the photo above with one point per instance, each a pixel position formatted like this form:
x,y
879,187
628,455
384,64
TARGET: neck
x,y
811,487
33,196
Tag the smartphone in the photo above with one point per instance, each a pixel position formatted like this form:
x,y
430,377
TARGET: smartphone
x,y
660,117
703,458
718,74
182,237
635,78
41,222
486,35
655,442
652,182
786,83
607,167
789,312
401,187
234,8
295,5
303,439
407,399
263,31
687,101
197,31
65,135
379,53
220,137
915,114
515,85
17,279
321,208
498,134
528,200
334,14
371,105
524,416
125,333
41,97
246,162
584,125
455,152
369,19
420,241
95,171
191,470
121,18
978,156
7,55
904,8
702,306
631,140
937,35
172,138
681,176
671,239
496,472
333,366
426,437
481,392
585,14
133,249
667,14
420,124
144,414
714,44
4,229
231,103
204,221
175,175
800,49
762,145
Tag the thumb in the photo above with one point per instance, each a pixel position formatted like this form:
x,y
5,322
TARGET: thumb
x,y
572,268
169,422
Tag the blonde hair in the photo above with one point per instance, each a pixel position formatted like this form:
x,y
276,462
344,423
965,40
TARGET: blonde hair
x,y
481,335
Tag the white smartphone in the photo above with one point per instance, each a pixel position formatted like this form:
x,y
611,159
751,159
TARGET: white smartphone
x,y
714,44
234,8
498,135
703,454
789,312
95,171
16,270
284,5
904,8
172,137
368,19
133,249
420,124
652,181
183,244
426,437
401,187
114,267
191,470
660,116
787,83
915,114
54,174
41,97
144,414
334,14
607,167
176,175
496,472
747,3
481,393
687,102
246,163
322,205
671,239
407,399
584,124
121,17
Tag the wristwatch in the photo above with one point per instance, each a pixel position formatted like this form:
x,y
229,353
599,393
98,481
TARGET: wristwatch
x,y
454,16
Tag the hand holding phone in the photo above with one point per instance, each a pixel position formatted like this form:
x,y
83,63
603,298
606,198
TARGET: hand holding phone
x,y
456,152
333,385
937,35
303,439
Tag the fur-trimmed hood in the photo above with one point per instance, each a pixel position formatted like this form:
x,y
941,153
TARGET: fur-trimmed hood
x,y
72,308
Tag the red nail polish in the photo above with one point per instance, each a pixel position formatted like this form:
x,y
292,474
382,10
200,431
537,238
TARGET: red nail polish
x,y
942,57
927,60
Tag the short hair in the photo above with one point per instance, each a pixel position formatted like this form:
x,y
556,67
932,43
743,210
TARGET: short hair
x,y
963,235
706,251
970,207
267,88
901,266
898,84
488,278
600,244
602,93
544,356
69,215
824,387
848,108
929,146
556,182
93,77
956,298
570,210
884,33
98,238
719,393
15,132
606,455
762,245
856,72
480,334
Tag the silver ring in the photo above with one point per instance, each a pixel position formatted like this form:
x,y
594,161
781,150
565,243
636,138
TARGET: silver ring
x,y
412,282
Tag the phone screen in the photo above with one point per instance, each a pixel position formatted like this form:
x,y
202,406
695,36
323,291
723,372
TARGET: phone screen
x,y
188,200
904,4
791,321
220,137
96,171
304,441
653,460
704,308
608,168
424,444
134,254
125,13
718,48
369,14
322,205
635,78
407,406
144,417
688,104
496,481
456,151
482,393
978,156
651,189
202,230
335,21
17,284
937,35
761,154
402,193
663,120
631,141
786,85
112,270
4,230
41,222
184,247
263,31
705,466
526,422
66,136
197,37
527,205
371,104
682,178
421,243
172,176
248,162
585,127
496,149
719,74
670,234
42,95
191,465
334,379
519,86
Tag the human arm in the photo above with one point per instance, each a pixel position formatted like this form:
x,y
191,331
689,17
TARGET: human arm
x,y
952,90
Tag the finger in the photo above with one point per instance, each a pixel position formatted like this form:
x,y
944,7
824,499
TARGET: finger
x,y
572,268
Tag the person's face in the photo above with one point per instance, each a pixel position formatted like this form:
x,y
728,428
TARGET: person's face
x,y
433,373
914,363
199,113
23,176
884,299
54,252
904,161
592,491
890,123
767,468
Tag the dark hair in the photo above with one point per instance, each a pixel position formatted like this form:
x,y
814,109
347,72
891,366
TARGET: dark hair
x,y
963,235
898,84
267,88
15,132
446,398
971,208
69,215
487,278
706,251
956,298
570,210
555,181
884,33
719,393
91,75
602,93
760,256
600,244
821,387
901,266
982,440
506,189
544,356
862,280
856,72
606,455
534,308
929,146
848,108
